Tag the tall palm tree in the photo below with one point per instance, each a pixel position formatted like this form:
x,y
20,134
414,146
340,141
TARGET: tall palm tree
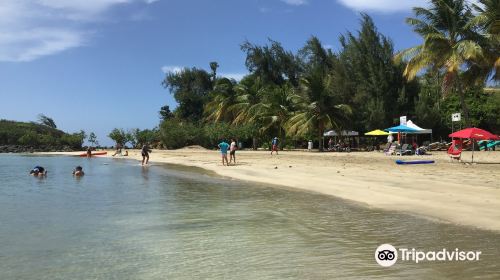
x,y
487,22
222,98
275,108
319,107
248,94
448,44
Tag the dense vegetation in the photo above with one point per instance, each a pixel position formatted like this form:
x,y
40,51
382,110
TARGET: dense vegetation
x,y
22,136
365,85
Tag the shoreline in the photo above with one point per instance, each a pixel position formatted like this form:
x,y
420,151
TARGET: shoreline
x,y
463,194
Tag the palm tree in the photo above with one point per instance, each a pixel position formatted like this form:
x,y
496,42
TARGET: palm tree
x,y
276,106
248,94
222,98
319,107
487,22
448,44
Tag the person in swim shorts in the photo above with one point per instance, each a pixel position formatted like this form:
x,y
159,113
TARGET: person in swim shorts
x,y
223,146
145,154
232,151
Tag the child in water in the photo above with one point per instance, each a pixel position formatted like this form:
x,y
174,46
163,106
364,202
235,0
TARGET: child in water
x,y
78,171
38,171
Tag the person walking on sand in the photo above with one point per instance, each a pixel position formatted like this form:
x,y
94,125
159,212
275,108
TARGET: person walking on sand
x,y
232,151
145,154
223,146
274,144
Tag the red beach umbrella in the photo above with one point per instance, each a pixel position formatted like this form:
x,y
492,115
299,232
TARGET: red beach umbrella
x,y
474,133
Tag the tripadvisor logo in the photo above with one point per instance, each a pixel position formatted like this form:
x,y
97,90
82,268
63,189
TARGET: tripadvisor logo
x,y
386,255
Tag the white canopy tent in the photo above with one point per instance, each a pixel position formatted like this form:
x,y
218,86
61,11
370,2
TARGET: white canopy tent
x,y
418,128
343,133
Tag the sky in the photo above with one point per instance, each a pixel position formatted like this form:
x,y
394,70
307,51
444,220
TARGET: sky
x,y
98,64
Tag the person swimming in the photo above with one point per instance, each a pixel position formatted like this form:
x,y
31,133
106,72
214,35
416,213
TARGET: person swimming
x,y
38,171
78,171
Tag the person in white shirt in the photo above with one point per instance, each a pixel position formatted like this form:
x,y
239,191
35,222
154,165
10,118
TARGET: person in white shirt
x,y
232,151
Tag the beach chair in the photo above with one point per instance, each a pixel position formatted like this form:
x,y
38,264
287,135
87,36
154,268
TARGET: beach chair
x,y
482,144
492,144
404,150
391,149
455,150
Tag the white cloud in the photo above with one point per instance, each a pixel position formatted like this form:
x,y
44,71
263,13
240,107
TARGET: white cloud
x,y
382,5
295,2
386,6
28,45
231,75
30,29
171,68
236,76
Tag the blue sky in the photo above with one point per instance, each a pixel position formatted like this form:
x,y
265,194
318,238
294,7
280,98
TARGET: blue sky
x,y
98,64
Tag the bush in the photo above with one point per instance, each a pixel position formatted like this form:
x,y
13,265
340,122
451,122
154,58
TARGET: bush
x,y
175,134
30,138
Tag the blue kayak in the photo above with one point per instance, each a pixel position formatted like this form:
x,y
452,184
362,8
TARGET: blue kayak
x,y
414,161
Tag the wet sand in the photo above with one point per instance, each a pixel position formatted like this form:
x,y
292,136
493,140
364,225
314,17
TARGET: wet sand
x,y
464,194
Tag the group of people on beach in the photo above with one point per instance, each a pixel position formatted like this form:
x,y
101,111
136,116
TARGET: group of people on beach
x,y
40,171
224,147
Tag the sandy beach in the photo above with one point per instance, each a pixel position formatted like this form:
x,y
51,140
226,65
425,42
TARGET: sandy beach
x,y
465,194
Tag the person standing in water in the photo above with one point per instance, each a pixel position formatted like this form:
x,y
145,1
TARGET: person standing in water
x,y
89,152
232,151
223,146
78,171
145,154
274,144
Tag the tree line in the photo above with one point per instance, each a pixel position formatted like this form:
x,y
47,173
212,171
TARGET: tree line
x,y
41,135
363,86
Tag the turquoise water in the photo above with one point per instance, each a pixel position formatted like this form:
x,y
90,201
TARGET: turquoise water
x,y
122,221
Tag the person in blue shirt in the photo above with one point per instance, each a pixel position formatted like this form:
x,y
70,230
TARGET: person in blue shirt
x,y
223,146
274,144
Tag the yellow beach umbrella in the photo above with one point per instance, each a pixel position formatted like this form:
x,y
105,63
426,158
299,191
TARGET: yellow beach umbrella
x,y
377,132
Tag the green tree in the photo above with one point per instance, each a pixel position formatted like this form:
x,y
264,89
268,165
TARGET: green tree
x,y
486,23
43,119
119,136
93,139
221,99
272,63
176,134
146,136
448,44
213,66
190,88
320,108
276,106
248,94
365,77
165,113
30,138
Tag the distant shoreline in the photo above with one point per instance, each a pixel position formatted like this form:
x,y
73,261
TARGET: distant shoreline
x,y
463,194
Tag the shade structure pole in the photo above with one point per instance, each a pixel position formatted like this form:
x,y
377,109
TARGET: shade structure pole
x,y
472,150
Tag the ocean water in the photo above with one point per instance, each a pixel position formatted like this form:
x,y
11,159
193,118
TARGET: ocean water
x,y
123,221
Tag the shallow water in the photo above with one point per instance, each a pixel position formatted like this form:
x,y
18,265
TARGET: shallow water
x,y
122,221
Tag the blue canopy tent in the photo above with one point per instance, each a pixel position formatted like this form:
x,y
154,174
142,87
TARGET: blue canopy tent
x,y
400,129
